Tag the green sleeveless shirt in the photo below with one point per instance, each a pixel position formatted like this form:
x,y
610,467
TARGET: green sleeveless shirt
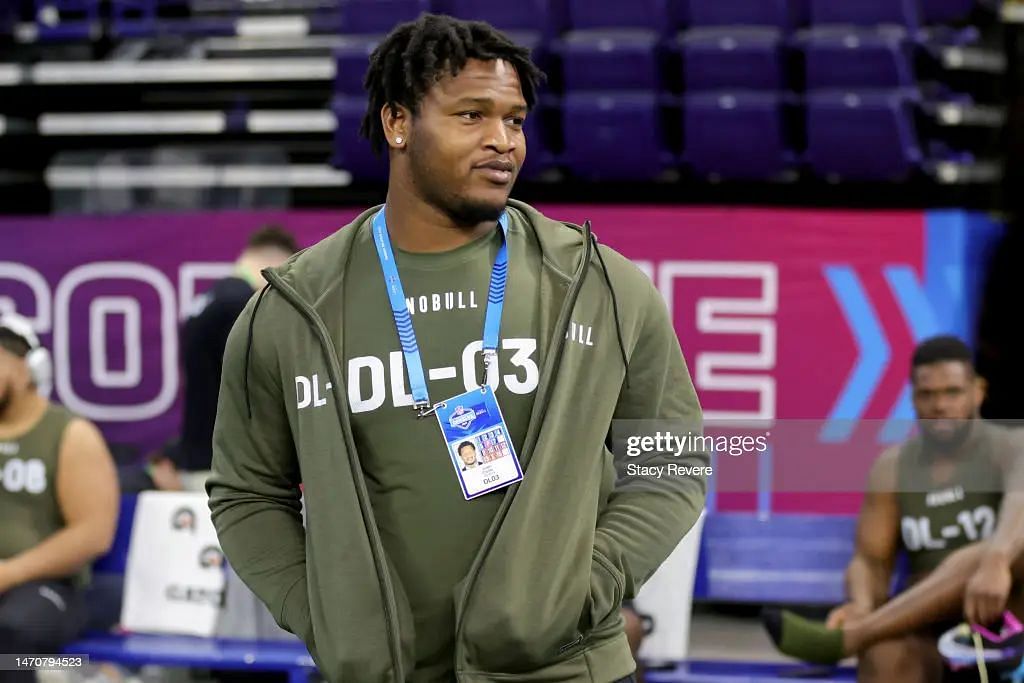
x,y
29,510
938,519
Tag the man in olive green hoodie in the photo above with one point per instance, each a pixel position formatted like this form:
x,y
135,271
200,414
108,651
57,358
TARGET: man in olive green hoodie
x,y
402,573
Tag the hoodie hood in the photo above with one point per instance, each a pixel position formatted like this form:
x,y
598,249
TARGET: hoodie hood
x,y
560,243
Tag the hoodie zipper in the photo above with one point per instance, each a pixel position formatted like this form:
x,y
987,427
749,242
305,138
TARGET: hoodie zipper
x,y
341,405
544,392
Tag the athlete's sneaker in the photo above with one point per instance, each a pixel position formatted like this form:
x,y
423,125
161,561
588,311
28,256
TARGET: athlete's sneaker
x,y
1003,649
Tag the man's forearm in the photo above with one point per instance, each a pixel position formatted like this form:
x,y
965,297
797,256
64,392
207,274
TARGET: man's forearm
x,y
648,515
635,537
265,545
59,556
867,582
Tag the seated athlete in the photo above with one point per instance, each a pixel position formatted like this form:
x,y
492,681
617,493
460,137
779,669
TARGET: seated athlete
x,y
58,504
952,500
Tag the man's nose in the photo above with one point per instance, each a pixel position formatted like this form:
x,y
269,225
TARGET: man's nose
x,y
500,138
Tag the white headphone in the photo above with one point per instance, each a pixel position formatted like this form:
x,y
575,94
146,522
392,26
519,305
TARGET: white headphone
x,y
40,365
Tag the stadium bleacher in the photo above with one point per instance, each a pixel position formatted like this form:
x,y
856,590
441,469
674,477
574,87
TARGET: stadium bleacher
x,y
751,138
677,78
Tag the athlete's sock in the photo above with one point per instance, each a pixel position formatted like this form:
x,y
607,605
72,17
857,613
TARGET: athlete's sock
x,y
804,639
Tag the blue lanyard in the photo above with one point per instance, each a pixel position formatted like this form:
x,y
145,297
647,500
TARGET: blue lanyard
x,y
403,321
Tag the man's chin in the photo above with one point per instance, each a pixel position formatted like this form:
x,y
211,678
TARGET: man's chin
x,y
471,213
946,434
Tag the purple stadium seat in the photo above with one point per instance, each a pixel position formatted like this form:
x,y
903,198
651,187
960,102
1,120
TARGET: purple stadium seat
x,y
547,17
620,14
7,18
739,135
147,18
538,157
679,13
858,59
784,15
867,135
946,11
614,136
378,16
613,60
351,57
351,151
733,58
865,13
133,18
72,20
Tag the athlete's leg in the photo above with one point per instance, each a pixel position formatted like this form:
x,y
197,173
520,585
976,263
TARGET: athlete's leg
x,y
37,618
910,659
937,597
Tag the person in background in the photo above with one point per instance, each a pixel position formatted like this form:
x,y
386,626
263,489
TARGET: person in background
x,y
205,334
58,504
952,500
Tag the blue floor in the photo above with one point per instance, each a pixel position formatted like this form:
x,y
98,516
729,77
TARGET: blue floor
x,y
745,672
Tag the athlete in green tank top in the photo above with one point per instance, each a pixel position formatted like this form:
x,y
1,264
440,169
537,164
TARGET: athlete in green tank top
x,y
947,504
58,503
28,481
952,501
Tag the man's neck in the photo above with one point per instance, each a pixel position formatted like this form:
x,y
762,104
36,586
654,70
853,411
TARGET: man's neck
x,y
248,271
21,413
416,226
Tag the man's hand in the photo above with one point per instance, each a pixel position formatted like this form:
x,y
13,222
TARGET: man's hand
x,y
839,616
987,590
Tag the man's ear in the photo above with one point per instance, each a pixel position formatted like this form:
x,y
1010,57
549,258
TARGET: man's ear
x,y
396,121
980,389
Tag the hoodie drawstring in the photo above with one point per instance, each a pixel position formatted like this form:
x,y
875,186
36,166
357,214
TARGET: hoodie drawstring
x,y
615,307
248,349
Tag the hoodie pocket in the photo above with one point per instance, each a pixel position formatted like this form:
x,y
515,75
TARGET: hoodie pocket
x,y
606,590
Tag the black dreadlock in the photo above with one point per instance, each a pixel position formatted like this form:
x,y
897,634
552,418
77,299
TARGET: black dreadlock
x,y
417,54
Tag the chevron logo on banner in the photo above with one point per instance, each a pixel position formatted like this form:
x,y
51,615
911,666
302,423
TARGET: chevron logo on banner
x,y
935,306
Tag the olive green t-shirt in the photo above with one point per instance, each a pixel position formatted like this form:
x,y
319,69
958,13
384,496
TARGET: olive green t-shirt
x,y
412,482
29,509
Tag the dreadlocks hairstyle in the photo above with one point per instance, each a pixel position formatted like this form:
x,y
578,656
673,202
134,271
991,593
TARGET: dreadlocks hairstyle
x,y
417,54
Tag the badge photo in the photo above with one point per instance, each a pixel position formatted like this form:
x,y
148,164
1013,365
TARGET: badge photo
x,y
478,442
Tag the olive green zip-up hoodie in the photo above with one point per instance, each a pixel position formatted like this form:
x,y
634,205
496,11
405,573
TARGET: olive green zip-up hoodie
x,y
567,545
